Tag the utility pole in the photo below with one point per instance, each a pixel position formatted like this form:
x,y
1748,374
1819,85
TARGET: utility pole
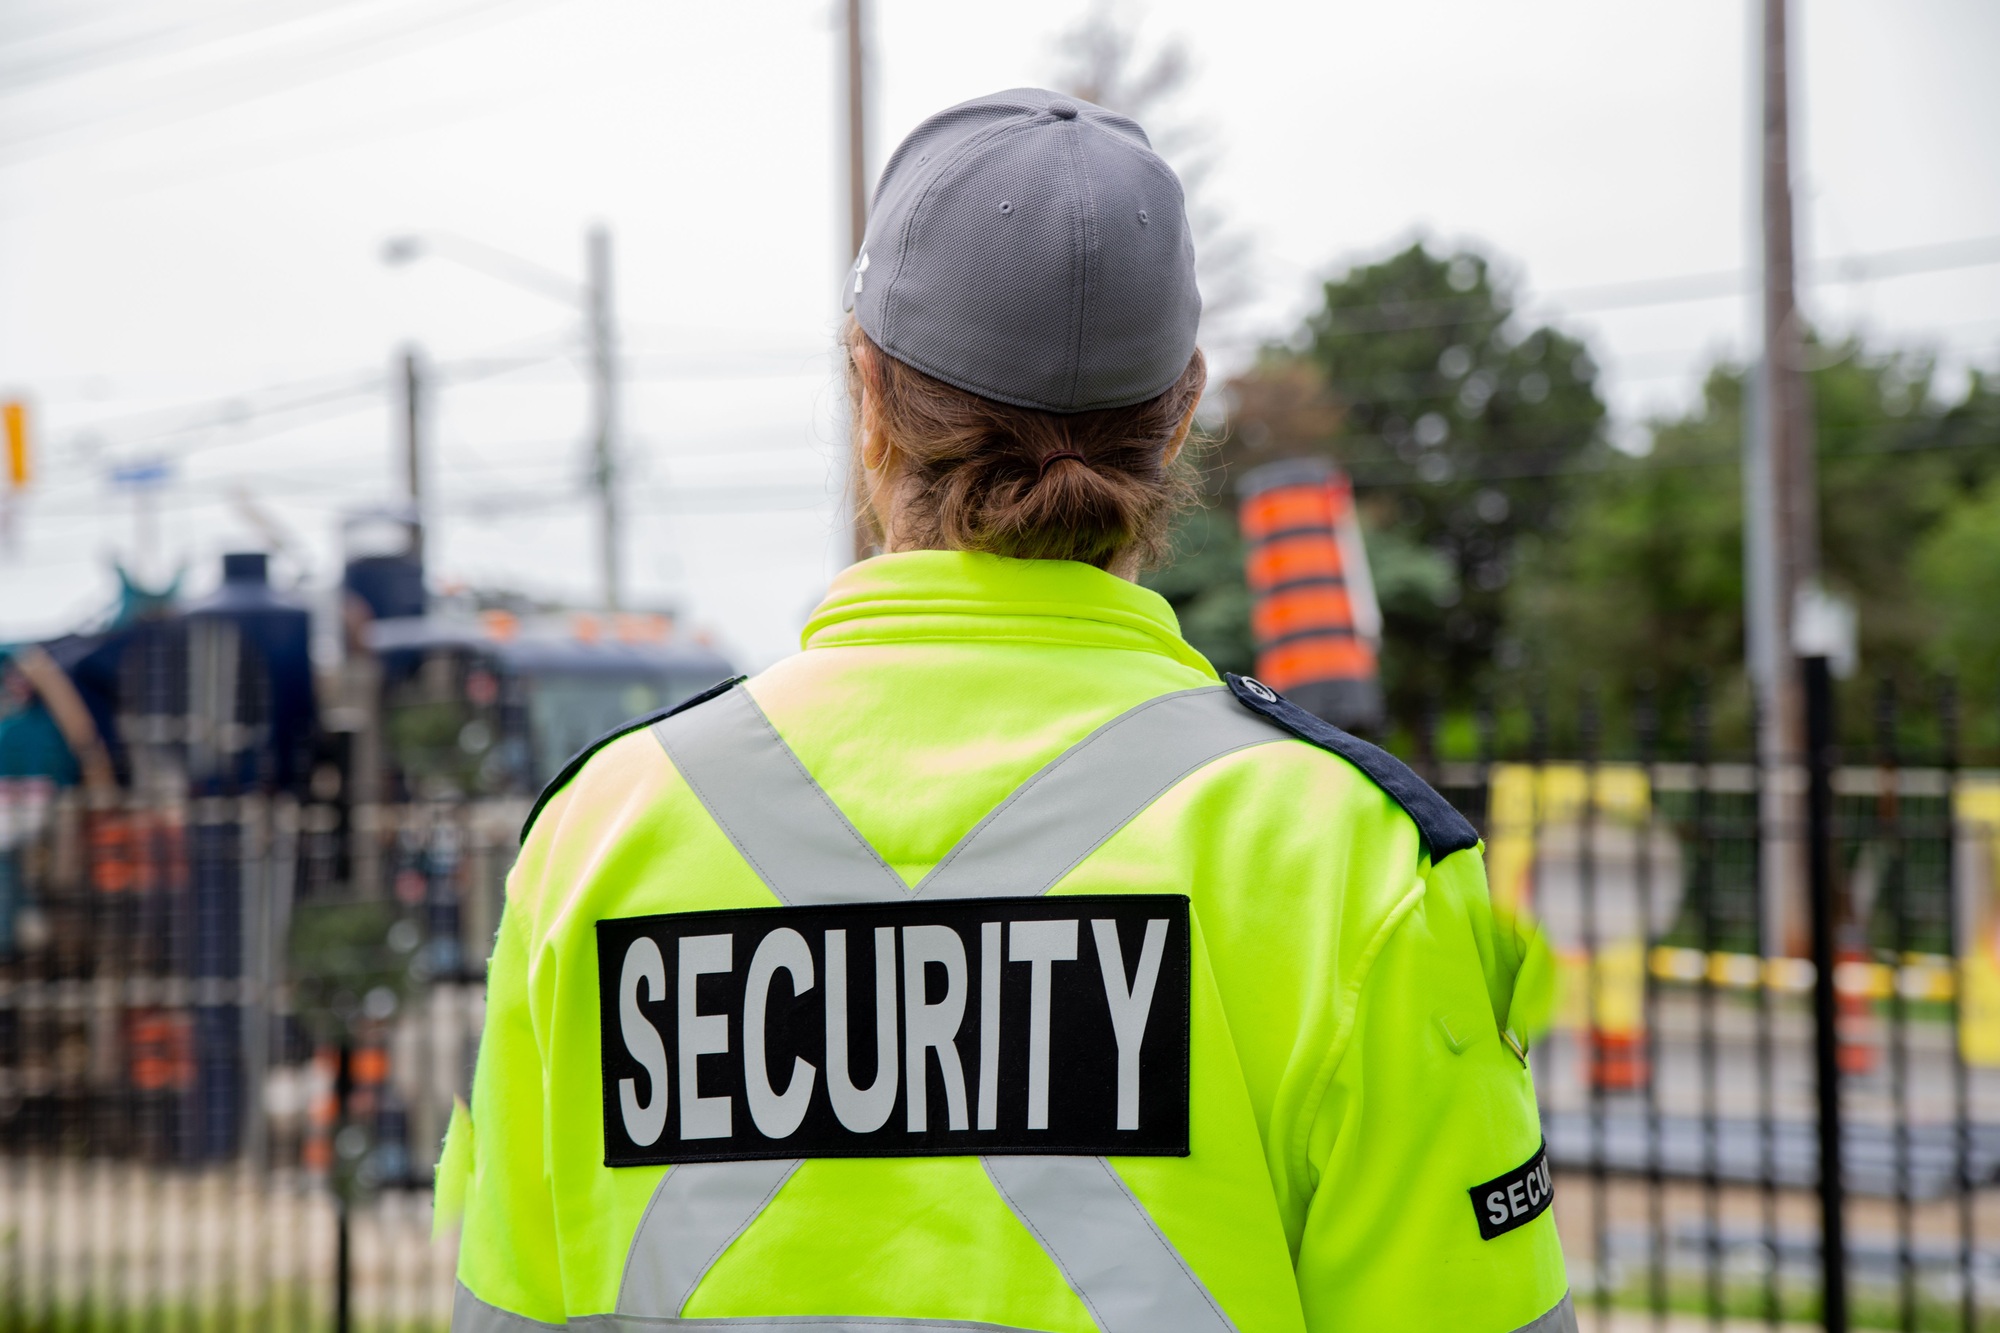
x,y
1781,534
857,129
600,330
603,335
857,204
413,445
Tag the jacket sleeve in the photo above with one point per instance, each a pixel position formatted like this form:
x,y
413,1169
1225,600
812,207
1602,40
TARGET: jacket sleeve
x,y
507,1250
1428,1099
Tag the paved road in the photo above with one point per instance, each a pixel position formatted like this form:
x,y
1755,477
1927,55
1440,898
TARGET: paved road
x,y
1624,1142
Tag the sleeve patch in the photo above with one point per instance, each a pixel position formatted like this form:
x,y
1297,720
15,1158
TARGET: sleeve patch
x,y
1444,829
1507,1203
626,728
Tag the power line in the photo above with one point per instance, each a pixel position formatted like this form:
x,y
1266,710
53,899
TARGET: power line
x,y
1440,312
1537,466
26,74
201,91
1434,386
732,496
320,397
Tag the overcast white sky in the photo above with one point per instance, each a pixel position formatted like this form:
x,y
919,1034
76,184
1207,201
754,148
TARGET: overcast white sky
x,y
194,193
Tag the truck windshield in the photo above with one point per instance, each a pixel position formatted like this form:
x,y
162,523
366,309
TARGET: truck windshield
x,y
567,712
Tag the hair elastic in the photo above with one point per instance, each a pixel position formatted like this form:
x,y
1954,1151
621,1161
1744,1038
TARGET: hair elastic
x,y
1057,457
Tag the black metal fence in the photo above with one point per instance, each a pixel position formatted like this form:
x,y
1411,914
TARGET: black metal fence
x,y
231,1028
224,1072
1750,953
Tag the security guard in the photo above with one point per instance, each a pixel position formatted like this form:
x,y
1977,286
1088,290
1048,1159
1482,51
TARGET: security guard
x,y
991,964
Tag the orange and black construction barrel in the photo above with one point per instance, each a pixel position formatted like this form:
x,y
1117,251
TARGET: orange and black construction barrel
x,y
1313,610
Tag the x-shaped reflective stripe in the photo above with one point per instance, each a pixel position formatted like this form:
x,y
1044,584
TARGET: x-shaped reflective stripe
x,y
807,852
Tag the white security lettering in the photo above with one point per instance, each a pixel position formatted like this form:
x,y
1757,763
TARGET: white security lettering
x,y
1129,1009
934,1027
1534,1188
1517,1198
862,1110
1041,944
989,1025
702,1034
643,963
1496,1207
776,1114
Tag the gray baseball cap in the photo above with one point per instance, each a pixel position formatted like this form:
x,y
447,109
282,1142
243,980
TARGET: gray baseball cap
x,y
1031,248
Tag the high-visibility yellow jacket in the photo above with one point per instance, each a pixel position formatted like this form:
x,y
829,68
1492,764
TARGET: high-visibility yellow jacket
x,y
1282,983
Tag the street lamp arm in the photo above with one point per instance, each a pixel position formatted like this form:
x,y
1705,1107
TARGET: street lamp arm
x,y
494,263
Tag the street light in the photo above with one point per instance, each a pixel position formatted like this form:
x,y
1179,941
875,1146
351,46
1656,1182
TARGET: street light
x,y
590,298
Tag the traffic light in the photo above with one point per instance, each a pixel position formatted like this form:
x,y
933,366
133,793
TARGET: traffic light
x,y
14,416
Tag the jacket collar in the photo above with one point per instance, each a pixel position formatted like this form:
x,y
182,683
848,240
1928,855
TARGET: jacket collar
x,y
916,596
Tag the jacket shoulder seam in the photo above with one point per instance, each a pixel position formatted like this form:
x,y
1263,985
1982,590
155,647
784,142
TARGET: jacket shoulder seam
x,y
1443,829
575,763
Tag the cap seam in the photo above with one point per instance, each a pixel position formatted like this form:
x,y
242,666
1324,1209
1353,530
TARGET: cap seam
x,y
1076,277
1091,270
1150,159
916,210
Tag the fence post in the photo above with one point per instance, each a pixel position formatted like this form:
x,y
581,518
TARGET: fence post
x,y
1820,744
343,1190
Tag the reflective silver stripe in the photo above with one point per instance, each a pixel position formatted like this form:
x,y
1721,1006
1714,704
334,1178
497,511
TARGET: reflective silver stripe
x,y
697,1210
798,1323
807,852
756,789
1086,794
469,1314
1562,1319
1105,1243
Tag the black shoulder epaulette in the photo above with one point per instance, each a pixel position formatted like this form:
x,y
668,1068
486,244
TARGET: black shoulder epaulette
x,y
577,760
1442,828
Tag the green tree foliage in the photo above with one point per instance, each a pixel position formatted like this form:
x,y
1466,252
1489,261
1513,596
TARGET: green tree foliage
x,y
1512,546
1640,577
1640,580
1450,419
1957,566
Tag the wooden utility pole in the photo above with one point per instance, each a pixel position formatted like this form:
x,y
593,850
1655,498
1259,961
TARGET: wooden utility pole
x,y
857,128
413,445
857,214
603,336
1781,535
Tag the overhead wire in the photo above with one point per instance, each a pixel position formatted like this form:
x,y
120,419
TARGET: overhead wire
x,y
1383,473
26,73
1439,312
317,400
200,92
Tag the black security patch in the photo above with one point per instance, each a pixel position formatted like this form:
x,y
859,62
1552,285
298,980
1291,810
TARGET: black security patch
x,y
1515,1199
918,1029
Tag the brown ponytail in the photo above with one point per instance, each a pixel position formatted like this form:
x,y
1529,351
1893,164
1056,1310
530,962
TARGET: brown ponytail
x,y
978,475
